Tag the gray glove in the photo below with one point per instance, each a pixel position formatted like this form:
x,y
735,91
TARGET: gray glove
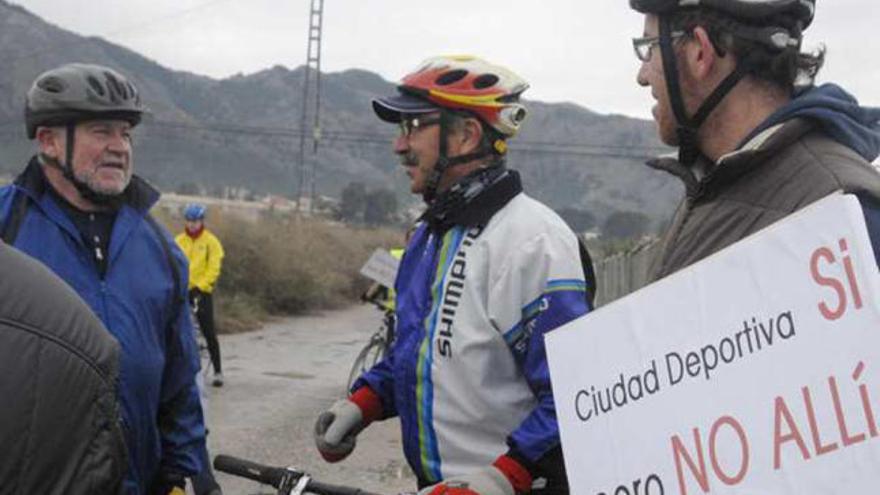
x,y
336,429
486,481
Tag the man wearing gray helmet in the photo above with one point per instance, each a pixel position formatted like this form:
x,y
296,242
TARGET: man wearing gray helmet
x,y
78,208
757,140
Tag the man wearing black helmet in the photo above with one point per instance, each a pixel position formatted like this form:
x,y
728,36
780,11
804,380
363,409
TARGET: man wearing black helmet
x,y
487,273
78,208
757,140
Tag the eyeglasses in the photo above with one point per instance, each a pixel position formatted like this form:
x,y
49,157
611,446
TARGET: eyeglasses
x,y
410,125
644,46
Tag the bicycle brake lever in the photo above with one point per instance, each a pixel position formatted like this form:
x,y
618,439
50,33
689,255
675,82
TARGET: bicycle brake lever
x,y
300,486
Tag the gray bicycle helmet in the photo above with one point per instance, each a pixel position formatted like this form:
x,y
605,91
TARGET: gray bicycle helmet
x,y
746,10
766,13
76,92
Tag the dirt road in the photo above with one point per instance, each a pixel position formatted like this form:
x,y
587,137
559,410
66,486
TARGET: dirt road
x,y
278,380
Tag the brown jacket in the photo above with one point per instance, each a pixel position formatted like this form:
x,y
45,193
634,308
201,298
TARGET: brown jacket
x,y
777,173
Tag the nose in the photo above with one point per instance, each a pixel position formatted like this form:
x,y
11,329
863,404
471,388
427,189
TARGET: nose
x,y
642,75
401,144
118,143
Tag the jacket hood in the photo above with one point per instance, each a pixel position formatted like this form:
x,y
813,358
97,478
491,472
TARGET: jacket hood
x,y
838,113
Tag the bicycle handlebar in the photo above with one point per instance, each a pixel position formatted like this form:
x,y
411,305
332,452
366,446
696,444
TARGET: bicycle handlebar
x,y
275,476
250,470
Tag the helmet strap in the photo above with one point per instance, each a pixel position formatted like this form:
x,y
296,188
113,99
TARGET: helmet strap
x,y
688,145
107,200
686,129
444,161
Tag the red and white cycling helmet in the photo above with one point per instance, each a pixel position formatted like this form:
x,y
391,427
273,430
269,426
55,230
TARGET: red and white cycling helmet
x,y
459,82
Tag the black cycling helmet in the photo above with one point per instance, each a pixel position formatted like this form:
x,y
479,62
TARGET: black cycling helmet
x,y
76,92
754,11
777,24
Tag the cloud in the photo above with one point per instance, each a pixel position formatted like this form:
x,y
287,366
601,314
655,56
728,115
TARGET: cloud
x,y
570,50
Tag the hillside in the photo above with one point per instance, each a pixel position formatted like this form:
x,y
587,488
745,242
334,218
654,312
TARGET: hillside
x,y
243,131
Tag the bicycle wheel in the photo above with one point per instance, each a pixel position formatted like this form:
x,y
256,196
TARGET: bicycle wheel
x,y
371,354
204,355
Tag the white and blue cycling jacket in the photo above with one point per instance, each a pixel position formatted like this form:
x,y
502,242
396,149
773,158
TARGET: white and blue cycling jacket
x,y
467,373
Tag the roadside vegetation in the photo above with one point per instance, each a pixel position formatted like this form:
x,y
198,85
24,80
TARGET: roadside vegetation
x,y
281,265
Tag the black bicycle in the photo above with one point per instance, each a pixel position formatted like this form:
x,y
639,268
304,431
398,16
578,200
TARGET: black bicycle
x,y
376,349
204,355
288,481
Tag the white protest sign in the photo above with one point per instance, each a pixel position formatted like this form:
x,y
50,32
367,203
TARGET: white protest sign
x,y
381,267
754,371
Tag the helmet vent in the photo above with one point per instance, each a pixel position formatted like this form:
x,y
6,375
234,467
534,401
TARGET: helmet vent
x,y
485,81
52,85
451,77
116,89
96,85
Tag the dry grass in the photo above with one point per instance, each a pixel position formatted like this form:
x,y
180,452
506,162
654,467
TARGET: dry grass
x,y
285,265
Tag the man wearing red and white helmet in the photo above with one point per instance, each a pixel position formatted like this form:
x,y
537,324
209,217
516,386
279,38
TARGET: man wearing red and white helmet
x,y
487,273
437,92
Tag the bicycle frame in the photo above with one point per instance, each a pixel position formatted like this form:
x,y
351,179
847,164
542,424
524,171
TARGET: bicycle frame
x,y
375,350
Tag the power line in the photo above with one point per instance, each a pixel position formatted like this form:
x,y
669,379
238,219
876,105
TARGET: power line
x,y
376,139
127,29
568,148
157,20
384,138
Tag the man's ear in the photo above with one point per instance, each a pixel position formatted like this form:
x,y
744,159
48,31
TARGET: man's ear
x,y
51,142
700,55
472,134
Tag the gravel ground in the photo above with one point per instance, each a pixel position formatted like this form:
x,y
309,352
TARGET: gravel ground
x,y
278,379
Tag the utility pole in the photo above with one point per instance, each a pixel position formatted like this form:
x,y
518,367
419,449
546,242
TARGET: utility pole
x,y
311,100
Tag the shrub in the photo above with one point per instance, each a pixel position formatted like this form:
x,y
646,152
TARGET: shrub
x,y
283,265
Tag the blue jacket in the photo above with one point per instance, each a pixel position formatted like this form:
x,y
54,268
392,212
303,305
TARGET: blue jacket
x,y
135,300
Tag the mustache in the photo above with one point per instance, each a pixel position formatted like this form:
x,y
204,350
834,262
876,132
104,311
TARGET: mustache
x,y
114,157
409,159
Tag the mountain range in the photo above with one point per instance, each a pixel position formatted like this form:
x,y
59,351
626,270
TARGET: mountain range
x,y
244,131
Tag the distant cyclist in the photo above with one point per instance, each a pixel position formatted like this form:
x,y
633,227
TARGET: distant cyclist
x,y
488,272
205,255
379,294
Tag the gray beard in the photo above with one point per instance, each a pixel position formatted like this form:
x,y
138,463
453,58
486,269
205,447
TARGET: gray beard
x,y
106,200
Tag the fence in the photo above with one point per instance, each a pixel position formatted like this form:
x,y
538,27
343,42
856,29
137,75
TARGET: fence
x,y
625,272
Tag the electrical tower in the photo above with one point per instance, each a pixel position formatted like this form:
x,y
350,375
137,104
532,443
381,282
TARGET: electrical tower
x,y
311,103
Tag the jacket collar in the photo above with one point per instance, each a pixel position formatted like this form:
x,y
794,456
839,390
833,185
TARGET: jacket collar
x,y
473,201
731,166
139,194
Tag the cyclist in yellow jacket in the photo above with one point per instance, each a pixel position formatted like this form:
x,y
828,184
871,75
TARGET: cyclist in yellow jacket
x,y
205,255
379,294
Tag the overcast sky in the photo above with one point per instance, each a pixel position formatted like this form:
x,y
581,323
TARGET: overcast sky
x,y
569,50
